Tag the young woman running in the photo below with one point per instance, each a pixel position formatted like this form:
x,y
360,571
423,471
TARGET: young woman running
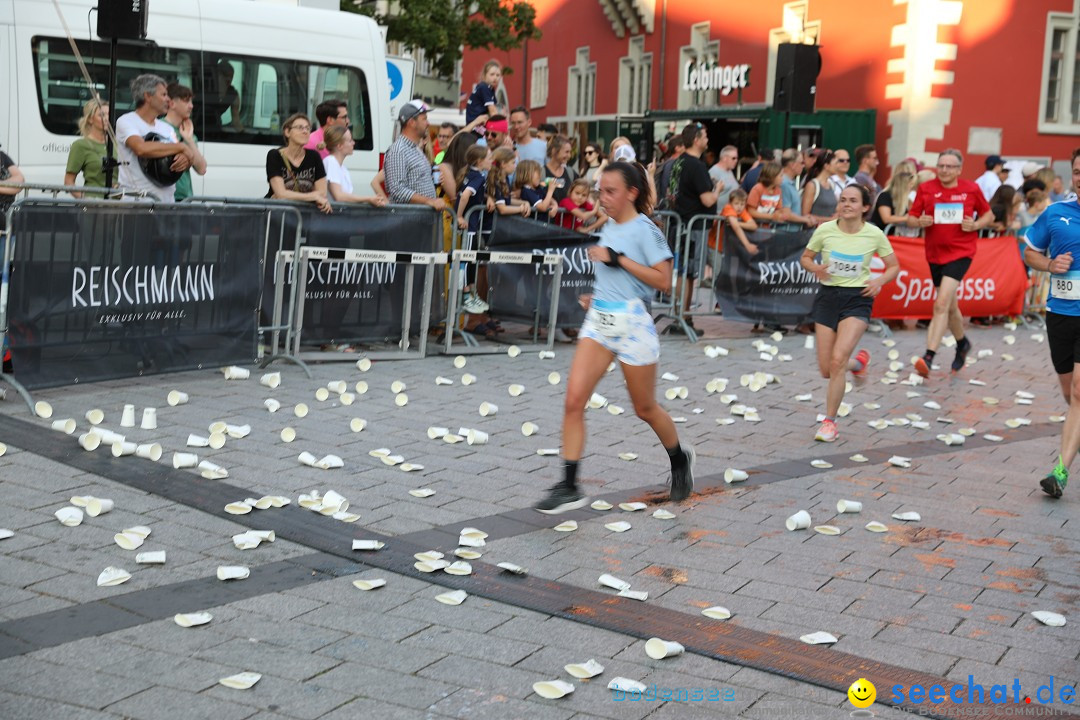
x,y
631,262
842,309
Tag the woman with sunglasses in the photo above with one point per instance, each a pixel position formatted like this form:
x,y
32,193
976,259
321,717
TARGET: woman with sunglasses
x,y
294,172
591,162
558,155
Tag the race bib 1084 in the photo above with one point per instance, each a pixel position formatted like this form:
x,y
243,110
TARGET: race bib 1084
x,y
845,265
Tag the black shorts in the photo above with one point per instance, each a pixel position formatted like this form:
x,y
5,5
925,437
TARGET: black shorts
x,y
833,304
1063,332
956,269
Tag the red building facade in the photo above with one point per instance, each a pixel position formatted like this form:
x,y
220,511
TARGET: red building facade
x,y
985,76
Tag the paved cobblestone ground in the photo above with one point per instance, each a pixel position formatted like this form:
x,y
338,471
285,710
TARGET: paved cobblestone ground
x,y
949,595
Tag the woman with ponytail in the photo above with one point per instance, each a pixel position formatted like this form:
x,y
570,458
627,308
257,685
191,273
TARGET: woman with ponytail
x,y
631,262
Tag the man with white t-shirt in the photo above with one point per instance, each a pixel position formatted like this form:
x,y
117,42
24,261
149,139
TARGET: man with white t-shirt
x,y
841,179
151,102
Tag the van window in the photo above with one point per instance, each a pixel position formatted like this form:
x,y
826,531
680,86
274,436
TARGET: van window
x,y
238,98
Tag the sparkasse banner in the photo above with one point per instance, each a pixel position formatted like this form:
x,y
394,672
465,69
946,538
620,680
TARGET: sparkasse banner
x,y
995,284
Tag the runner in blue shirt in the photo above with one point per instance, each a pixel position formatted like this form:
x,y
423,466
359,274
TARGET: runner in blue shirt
x,y
631,262
1051,244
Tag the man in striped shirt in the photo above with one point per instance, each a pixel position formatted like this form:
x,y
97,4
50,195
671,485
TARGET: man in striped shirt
x,y
407,169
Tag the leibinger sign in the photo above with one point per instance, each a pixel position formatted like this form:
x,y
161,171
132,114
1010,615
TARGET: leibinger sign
x,y
725,78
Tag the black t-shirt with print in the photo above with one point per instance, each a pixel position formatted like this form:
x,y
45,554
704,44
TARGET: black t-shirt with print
x,y
297,179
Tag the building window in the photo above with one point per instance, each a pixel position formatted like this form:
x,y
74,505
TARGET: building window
x,y
581,88
635,78
538,92
1059,106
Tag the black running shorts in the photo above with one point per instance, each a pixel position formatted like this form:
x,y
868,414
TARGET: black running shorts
x,y
956,269
833,304
1063,332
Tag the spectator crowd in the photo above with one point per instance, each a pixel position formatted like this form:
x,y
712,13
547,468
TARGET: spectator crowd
x,y
499,164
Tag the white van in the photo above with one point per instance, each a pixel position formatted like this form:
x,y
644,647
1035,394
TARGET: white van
x,y
278,59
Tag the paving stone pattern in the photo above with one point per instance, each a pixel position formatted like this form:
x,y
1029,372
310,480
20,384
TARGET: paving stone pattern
x,y
949,595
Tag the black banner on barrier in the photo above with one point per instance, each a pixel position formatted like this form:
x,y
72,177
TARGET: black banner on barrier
x,y
770,286
518,291
114,291
359,302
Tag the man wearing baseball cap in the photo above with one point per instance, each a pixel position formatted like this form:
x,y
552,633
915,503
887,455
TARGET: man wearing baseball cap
x,y
995,174
407,169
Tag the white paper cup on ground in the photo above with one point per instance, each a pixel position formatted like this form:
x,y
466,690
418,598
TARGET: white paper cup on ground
x,y
347,398
322,394
513,351
149,451
113,576
194,440
553,689
271,404
122,449
435,433
361,387
455,597
528,429
90,441
216,440
232,572
128,541
186,620
154,557
98,506
306,458
175,397
613,582
488,409
184,460
468,379
149,419
270,380
659,649
546,355
211,471
95,416
798,521
218,427
108,437
43,409
731,475
477,437
69,516
300,410
363,364
401,399
397,387
66,426
848,506
554,378
459,361
515,390
357,424
241,681
236,373
372,584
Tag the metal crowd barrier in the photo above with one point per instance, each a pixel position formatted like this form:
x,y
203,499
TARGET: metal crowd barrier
x,y
337,255
1038,290
115,193
356,227
41,252
281,331
465,245
461,257
683,285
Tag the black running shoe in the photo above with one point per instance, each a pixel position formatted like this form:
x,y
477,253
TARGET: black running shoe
x,y
560,499
1054,483
682,477
962,349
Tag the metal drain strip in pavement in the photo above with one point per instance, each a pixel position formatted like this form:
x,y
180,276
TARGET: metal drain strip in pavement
x,y
727,642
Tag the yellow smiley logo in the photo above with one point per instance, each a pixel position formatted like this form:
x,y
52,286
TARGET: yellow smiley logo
x,y
862,693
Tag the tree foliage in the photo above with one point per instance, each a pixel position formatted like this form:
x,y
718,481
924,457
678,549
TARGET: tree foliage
x,y
443,27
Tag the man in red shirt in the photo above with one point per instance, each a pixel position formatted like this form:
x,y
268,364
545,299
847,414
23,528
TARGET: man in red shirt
x,y
946,208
